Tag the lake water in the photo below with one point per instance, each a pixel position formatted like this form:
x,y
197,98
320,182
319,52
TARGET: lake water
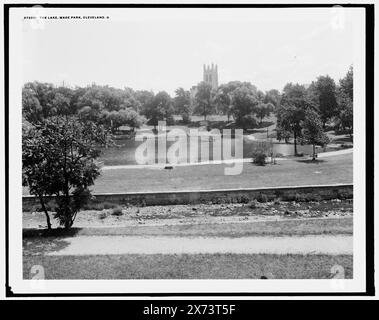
x,y
207,149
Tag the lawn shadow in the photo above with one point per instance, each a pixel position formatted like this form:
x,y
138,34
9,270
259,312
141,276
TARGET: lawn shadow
x,y
38,243
43,233
311,161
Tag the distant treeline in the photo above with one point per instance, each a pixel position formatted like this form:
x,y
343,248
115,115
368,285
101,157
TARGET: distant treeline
x,y
114,107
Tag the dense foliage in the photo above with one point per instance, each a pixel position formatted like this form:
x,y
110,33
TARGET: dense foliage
x,y
64,127
304,113
59,159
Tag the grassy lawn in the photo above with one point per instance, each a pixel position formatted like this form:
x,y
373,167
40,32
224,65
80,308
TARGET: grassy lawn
x,y
329,226
190,266
201,266
337,169
330,170
261,228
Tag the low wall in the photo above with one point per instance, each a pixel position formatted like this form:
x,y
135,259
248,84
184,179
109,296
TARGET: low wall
x,y
296,193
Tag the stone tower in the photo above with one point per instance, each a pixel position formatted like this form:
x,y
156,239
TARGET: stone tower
x,y
210,75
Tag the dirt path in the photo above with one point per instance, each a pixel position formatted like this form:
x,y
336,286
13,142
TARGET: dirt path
x,y
110,245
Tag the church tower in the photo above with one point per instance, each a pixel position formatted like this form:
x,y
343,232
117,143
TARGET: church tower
x,y
210,75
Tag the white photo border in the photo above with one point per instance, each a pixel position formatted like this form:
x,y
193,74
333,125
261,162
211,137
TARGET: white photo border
x,y
363,233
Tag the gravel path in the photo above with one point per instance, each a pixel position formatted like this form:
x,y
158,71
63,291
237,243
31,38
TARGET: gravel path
x,y
108,245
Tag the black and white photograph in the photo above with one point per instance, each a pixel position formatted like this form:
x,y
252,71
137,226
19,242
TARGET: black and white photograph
x,y
157,149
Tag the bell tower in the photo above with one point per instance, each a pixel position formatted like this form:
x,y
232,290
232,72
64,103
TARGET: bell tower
x,y
210,75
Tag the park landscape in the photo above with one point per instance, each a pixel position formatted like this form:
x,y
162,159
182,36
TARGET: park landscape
x,y
79,142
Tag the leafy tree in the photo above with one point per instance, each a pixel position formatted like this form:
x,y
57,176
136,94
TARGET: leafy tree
x,y
89,113
145,98
129,100
37,100
345,100
128,116
244,103
323,94
204,99
264,110
161,108
346,84
107,98
61,104
273,97
223,97
59,159
31,108
291,113
65,100
312,130
182,104
282,134
260,96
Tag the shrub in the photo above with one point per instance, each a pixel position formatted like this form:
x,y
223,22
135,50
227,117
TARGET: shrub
x,y
245,122
259,159
94,206
299,197
117,211
244,199
109,205
262,198
103,215
252,204
343,195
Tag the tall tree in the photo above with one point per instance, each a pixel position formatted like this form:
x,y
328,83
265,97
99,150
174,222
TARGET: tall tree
x,y
161,108
322,92
264,110
272,96
291,113
145,98
312,130
345,98
244,103
346,84
204,99
182,104
224,95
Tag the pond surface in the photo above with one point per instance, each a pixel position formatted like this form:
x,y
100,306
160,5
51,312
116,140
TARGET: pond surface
x,y
206,149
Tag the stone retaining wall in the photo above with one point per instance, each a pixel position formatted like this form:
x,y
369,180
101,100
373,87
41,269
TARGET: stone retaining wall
x,y
296,193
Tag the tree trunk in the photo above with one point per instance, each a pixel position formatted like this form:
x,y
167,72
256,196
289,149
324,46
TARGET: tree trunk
x,y
67,221
46,213
314,153
294,142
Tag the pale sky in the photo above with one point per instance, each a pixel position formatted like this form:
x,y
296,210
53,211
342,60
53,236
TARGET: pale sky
x,y
163,49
